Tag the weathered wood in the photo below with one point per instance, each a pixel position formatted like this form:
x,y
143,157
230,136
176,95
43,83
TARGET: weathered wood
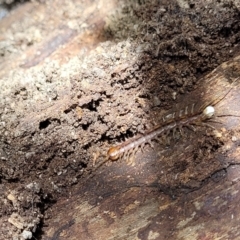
x,y
75,80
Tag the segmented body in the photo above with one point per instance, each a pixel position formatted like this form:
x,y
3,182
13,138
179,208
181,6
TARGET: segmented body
x,y
171,122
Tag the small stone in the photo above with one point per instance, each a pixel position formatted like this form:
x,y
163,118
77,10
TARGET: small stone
x,y
174,94
11,197
16,220
28,155
223,129
34,187
234,138
217,134
26,234
156,101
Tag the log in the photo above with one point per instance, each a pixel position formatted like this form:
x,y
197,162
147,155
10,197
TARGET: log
x,y
77,80
164,194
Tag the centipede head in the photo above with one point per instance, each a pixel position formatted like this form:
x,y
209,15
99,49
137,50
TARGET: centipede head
x,y
113,153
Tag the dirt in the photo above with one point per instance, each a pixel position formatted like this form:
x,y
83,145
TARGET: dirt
x,y
58,118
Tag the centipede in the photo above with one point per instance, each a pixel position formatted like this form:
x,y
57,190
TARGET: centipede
x,y
171,122
187,116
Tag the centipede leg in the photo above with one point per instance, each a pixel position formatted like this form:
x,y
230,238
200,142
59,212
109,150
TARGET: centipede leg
x,y
214,121
126,156
131,153
175,133
150,143
141,147
181,131
134,151
159,139
165,139
121,156
191,127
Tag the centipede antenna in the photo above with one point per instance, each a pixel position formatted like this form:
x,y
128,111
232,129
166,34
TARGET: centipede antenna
x,y
228,115
100,164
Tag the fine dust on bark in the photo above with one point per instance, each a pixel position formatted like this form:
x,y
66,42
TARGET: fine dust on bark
x,y
155,52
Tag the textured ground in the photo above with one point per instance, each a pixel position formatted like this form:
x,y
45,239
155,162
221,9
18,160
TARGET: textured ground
x,y
81,76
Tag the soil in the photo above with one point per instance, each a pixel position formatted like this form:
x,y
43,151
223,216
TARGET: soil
x,y
60,113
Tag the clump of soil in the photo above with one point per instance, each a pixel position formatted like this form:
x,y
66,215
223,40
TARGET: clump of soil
x,y
21,211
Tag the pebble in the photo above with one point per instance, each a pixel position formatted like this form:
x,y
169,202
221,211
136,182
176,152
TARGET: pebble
x,y
217,134
26,234
174,94
234,138
16,220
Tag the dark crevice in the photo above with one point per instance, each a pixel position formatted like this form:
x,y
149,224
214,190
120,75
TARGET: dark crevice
x,y
13,4
92,106
68,110
123,136
44,124
85,126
